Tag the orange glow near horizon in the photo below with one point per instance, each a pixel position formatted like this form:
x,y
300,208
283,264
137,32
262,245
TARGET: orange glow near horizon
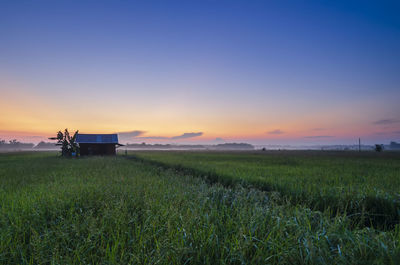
x,y
29,116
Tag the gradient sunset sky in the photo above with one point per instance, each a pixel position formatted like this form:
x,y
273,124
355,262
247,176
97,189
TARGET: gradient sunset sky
x,y
263,72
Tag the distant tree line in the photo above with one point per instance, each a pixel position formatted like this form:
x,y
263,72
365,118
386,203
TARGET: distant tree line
x,y
17,145
394,145
45,145
225,146
68,144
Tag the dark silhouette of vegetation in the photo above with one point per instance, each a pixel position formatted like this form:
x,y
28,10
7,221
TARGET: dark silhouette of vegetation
x,y
45,145
378,147
225,146
15,145
394,145
235,146
68,144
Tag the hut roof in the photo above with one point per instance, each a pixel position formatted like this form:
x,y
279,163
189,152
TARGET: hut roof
x,y
97,138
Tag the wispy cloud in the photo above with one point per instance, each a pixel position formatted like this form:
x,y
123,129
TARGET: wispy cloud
x,y
218,139
386,121
131,133
277,131
318,129
153,138
318,136
387,133
182,136
381,133
187,135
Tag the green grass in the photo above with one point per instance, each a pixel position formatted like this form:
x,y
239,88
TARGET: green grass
x,y
113,210
364,185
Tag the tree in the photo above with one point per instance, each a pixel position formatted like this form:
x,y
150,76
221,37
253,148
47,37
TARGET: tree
x,y
68,144
14,142
378,147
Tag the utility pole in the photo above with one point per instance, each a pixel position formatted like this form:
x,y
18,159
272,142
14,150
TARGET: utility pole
x,y
359,144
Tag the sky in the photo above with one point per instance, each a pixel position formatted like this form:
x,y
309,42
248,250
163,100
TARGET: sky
x,y
262,72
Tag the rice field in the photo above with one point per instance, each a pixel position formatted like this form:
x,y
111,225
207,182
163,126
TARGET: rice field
x,y
364,185
185,208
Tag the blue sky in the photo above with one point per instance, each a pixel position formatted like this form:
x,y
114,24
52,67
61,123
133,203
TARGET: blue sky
x,y
235,70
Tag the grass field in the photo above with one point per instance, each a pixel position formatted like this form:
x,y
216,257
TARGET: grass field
x,y
364,185
162,208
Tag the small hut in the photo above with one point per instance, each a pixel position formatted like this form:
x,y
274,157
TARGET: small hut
x,y
97,144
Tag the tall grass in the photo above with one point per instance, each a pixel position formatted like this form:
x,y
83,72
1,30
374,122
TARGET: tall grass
x,y
111,210
364,186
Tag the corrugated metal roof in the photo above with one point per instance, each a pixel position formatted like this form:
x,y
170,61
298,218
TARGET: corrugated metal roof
x,y
97,138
